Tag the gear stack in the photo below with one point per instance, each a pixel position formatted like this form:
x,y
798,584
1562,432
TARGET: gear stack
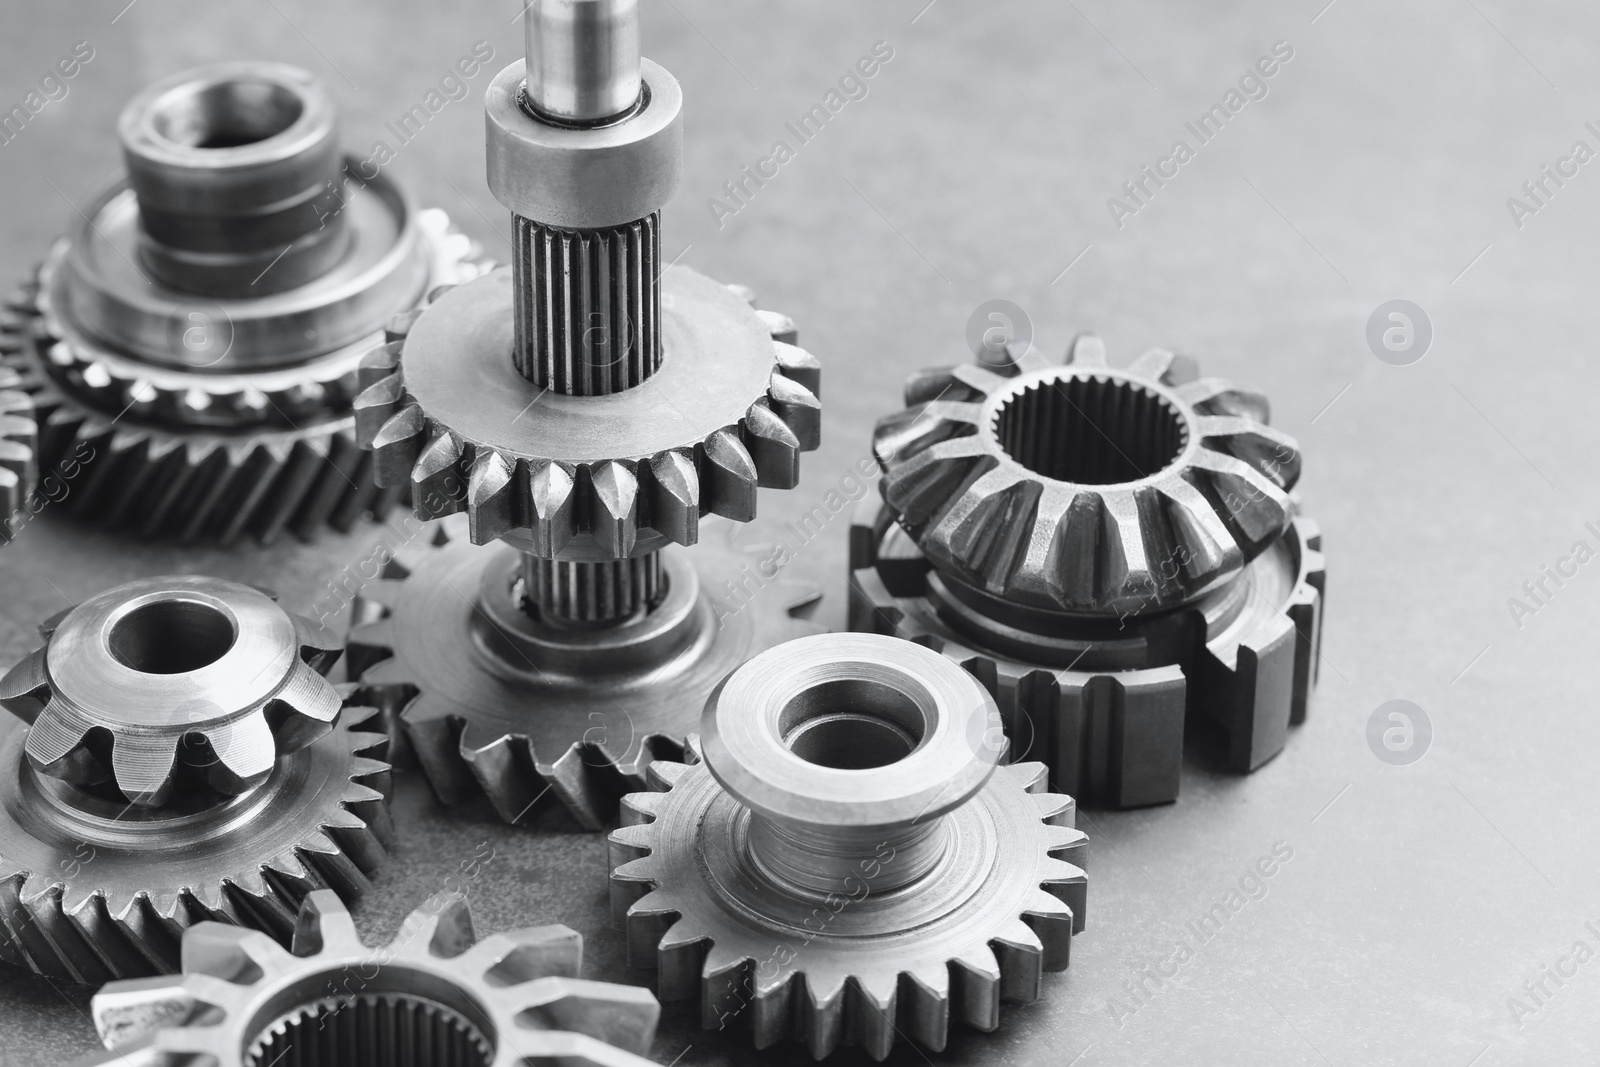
x,y
587,407
849,862
434,995
192,346
176,755
1106,549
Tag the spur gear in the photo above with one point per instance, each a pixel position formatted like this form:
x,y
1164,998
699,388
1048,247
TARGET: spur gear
x,y
175,756
587,408
1105,549
492,701
193,346
849,862
435,996
19,442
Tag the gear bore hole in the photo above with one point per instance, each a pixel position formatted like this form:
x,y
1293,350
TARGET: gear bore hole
x,y
1091,431
371,1030
171,637
227,114
852,724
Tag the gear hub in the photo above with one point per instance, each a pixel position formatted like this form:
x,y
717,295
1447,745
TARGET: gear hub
x,y
433,997
176,755
586,407
193,344
849,861
1105,549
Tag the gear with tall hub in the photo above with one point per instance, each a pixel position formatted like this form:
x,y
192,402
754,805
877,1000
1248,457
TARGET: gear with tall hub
x,y
586,407
849,862
435,996
1107,549
192,347
175,755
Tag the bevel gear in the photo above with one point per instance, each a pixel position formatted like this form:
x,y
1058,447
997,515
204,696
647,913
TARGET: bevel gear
x,y
1105,549
433,996
193,344
19,443
185,761
587,407
849,862
491,701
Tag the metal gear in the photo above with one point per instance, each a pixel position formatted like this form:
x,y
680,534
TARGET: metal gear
x,y
849,862
587,408
492,700
19,443
1106,550
192,348
185,761
160,675
432,997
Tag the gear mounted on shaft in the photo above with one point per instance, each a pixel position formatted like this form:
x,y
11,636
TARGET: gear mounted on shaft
x,y
588,409
192,346
849,862
1107,550
174,756
435,996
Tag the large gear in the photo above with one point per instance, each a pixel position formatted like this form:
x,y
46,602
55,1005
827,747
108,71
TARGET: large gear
x,y
180,401
849,862
1173,575
19,444
587,408
492,701
185,761
433,996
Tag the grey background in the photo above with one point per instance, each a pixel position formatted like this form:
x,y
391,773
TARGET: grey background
x,y
1419,898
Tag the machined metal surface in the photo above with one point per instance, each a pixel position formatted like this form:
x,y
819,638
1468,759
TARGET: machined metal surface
x,y
582,58
850,862
435,995
1173,575
163,676
19,446
183,402
590,477
493,701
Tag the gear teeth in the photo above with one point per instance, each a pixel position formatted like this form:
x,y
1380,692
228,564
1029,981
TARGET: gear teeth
x,y
491,498
1168,368
674,497
245,754
780,326
615,515
1088,350
730,480
987,530
382,361
397,445
773,448
377,404
437,479
553,512
1218,396
799,407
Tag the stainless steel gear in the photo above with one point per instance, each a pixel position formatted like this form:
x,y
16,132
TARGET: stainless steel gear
x,y
492,700
197,335
586,407
435,996
19,443
1105,549
849,862
176,756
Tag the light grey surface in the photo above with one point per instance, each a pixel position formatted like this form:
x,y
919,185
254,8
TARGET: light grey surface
x,y
1419,898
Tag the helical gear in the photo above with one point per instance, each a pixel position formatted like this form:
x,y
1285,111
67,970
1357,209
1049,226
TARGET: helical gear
x,y
1173,575
433,995
19,444
848,902
197,456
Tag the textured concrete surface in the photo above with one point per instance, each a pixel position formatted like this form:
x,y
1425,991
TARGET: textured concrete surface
x,y
1423,906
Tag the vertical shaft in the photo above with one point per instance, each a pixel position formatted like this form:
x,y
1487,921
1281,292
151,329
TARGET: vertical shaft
x,y
583,58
